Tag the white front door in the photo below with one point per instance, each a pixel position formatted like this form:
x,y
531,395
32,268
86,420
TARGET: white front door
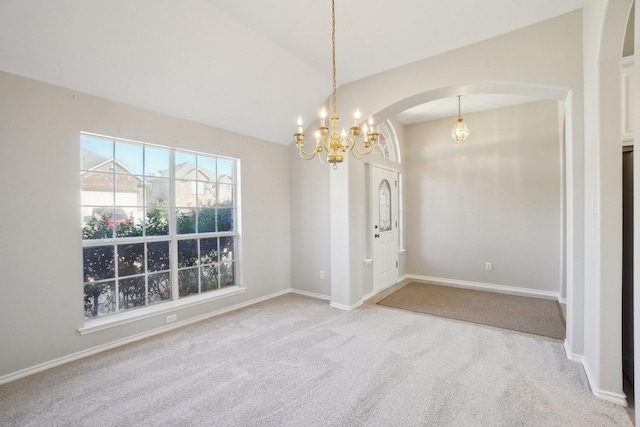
x,y
385,227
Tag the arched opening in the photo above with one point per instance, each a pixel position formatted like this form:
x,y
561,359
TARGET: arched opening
x,y
521,94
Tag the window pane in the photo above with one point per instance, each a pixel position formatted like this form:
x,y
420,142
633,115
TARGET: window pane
x,y
157,190
208,251
132,292
129,158
98,263
129,190
186,193
185,165
99,299
225,195
186,221
225,219
158,256
384,196
130,259
206,220
97,188
227,247
159,287
97,225
207,166
157,220
208,195
156,161
188,282
209,277
187,253
94,151
128,221
227,274
225,171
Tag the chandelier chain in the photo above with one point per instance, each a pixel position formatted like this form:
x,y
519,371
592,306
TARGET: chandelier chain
x,y
333,55
330,145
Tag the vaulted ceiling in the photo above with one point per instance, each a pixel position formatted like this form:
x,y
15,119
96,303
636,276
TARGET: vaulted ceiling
x,y
249,66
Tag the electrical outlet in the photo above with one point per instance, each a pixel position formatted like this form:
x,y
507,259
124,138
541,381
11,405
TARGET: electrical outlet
x,y
171,318
488,266
322,275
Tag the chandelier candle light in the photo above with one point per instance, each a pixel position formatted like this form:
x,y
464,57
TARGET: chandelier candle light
x,y
460,131
328,140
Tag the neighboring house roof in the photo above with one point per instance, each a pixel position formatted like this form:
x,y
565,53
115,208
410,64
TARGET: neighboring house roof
x,y
91,159
118,167
188,170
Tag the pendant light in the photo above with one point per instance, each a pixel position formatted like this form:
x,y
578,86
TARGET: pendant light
x,y
460,131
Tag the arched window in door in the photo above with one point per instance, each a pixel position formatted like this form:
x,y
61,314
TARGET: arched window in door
x,y
387,144
384,197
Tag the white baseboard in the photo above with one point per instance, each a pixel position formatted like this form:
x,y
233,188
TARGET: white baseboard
x,y
572,356
369,295
617,398
374,292
311,294
345,307
108,346
536,293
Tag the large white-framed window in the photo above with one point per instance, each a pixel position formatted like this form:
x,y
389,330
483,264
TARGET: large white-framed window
x,y
158,224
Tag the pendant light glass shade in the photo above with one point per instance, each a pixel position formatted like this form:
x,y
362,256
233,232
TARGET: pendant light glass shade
x,y
460,131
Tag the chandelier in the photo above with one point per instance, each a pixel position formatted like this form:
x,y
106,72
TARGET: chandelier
x,y
460,131
330,145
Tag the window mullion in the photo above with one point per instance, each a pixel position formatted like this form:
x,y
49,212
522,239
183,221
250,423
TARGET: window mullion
x,y
116,277
173,232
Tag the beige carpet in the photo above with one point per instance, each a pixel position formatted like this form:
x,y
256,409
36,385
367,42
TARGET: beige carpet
x,y
517,313
294,361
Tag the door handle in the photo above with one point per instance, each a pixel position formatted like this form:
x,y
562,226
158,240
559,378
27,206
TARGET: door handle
x,y
376,235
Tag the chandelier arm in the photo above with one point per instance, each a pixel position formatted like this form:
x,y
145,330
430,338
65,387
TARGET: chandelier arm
x,y
326,143
308,155
361,154
322,158
347,143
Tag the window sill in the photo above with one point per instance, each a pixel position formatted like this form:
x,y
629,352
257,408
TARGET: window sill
x,y
112,321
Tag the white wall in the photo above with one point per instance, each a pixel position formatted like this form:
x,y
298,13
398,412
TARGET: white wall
x,y
604,27
41,307
495,198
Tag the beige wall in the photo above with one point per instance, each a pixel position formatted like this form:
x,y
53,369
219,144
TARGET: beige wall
x,y
520,63
41,307
496,198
